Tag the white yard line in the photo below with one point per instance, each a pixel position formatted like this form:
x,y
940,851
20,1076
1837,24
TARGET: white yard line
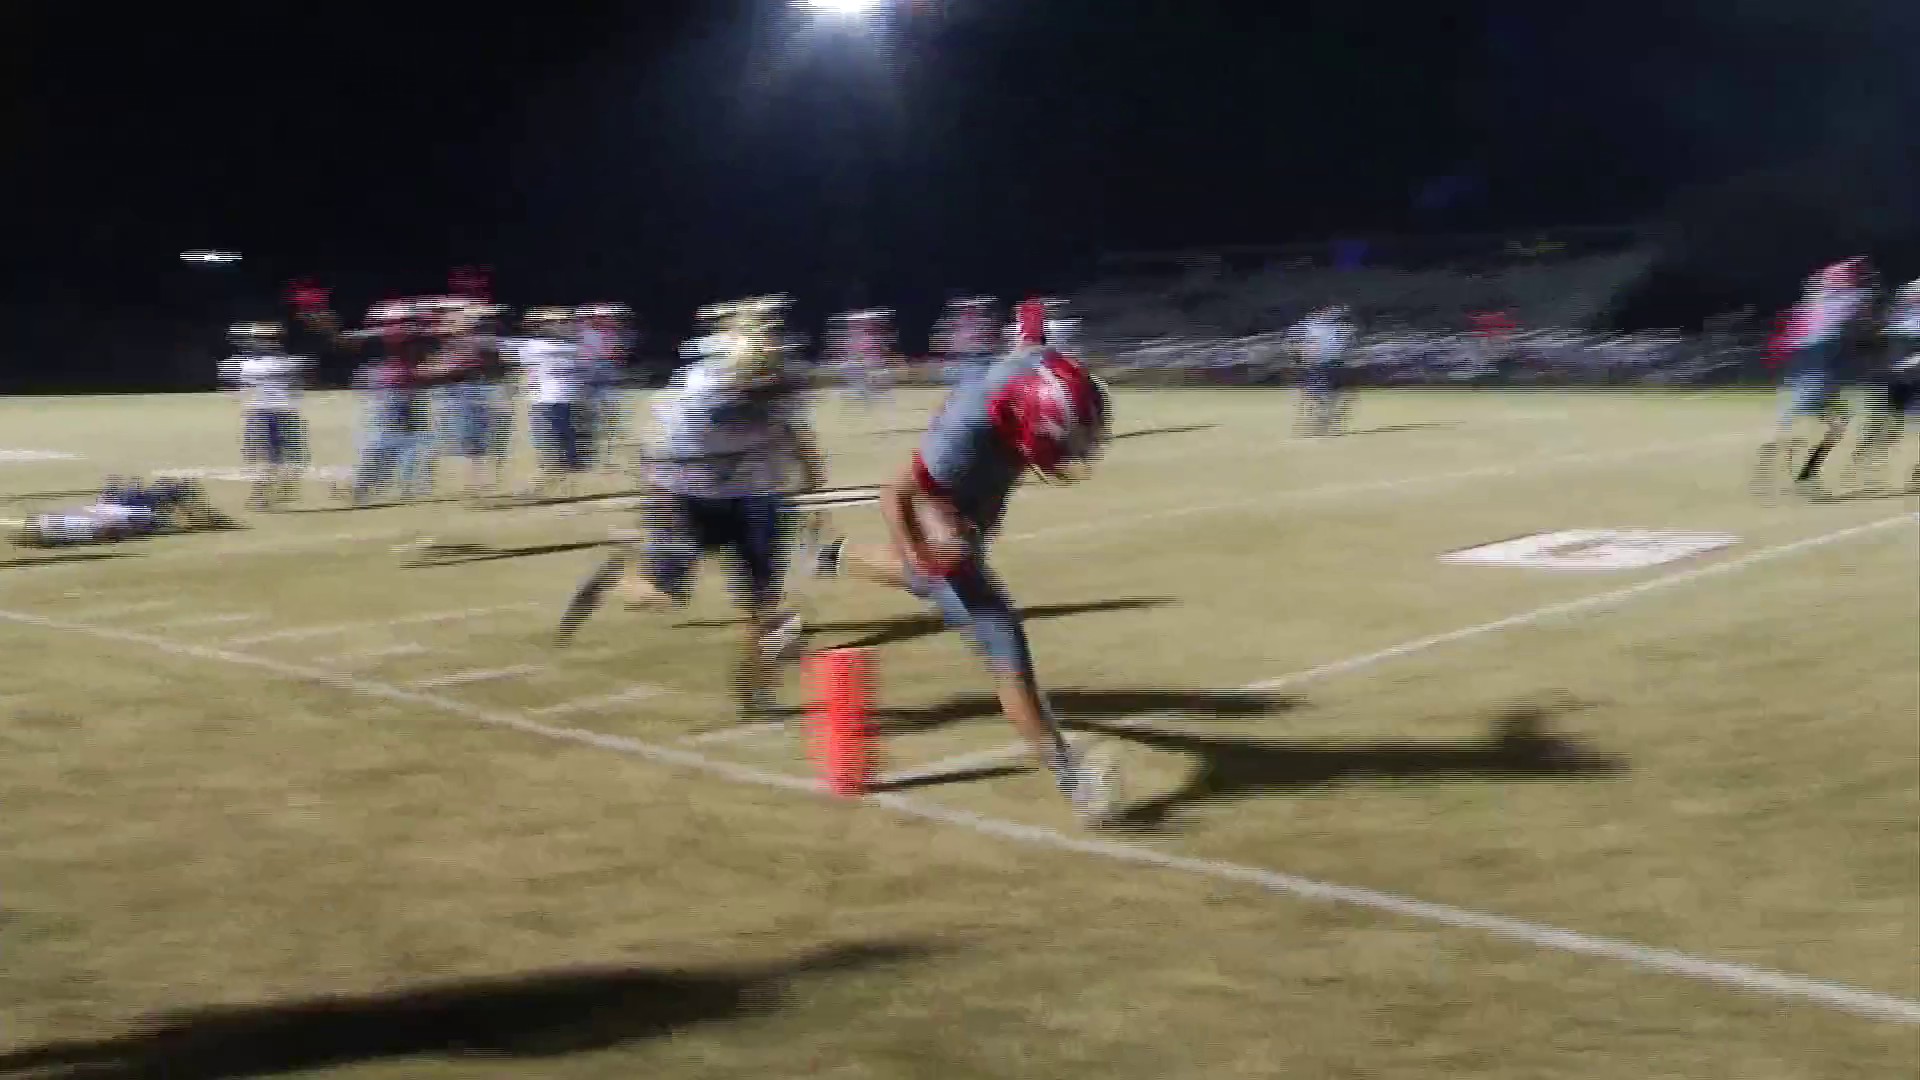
x,y
752,729
115,611
602,701
364,656
1595,602
307,633
1865,1003
196,622
466,678
1579,606
1104,523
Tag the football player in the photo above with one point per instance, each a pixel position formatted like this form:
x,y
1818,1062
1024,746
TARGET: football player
x,y
124,510
1036,411
728,433
967,338
860,345
1815,342
557,389
273,441
603,347
466,370
1899,390
1323,340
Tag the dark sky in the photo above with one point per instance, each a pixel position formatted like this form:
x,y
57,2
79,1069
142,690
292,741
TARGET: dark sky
x,y
669,153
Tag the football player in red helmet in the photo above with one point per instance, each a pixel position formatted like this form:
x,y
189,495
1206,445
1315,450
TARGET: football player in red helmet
x,y
1035,410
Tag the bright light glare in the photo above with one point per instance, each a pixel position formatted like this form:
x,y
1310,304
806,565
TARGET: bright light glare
x,y
844,9
210,256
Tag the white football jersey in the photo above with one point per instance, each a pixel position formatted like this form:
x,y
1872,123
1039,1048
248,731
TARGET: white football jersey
x,y
712,441
1323,339
556,373
268,382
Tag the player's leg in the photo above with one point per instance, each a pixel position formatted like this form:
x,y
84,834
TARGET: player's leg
x,y
1879,429
299,458
1833,416
973,600
649,568
1800,394
283,457
753,530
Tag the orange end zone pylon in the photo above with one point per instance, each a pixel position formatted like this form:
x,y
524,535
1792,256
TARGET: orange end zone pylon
x,y
840,720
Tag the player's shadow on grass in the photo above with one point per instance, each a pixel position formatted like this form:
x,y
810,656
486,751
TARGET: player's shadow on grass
x,y
915,627
1519,748
462,554
1084,708
538,1015
66,557
1147,433
1389,429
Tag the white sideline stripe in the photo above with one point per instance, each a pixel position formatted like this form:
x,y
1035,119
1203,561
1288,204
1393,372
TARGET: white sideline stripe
x,y
1104,522
752,729
1408,648
194,622
589,704
365,655
115,611
304,633
1583,604
463,678
1865,1003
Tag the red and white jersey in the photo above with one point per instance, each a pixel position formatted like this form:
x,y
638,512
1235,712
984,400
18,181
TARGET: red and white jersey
x,y
862,338
969,330
1834,300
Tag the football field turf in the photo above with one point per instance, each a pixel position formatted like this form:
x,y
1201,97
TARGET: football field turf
x,y
278,801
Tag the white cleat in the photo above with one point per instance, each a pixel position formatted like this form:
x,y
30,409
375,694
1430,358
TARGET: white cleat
x,y
1092,783
782,644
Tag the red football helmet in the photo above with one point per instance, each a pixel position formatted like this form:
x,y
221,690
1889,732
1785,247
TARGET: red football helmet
x,y
1030,322
1056,416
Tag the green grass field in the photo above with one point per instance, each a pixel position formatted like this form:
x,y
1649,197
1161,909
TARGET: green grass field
x,y
275,802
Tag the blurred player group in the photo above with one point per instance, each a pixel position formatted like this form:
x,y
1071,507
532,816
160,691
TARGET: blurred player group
x,y
731,458
726,464
1843,330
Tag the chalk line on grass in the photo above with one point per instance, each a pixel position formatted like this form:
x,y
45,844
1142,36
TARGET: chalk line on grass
x,y
631,694
480,675
1865,1003
364,656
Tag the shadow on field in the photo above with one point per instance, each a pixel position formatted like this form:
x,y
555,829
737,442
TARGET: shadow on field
x,y
31,496
67,557
461,554
1086,708
1146,433
1518,748
543,1014
1872,494
915,627
1428,425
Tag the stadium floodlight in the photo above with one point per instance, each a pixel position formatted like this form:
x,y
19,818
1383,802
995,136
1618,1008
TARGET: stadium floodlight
x,y
210,256
841,9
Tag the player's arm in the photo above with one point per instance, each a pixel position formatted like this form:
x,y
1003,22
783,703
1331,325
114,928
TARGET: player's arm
x,y
901,505
806,450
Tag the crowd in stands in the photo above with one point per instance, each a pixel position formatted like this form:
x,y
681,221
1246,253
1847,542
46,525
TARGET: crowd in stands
x,y
1516,314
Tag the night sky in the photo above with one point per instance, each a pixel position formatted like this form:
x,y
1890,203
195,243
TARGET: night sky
x,y
667,154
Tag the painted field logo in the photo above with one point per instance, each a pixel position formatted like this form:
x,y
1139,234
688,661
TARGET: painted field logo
x,y
36,455
1593,549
